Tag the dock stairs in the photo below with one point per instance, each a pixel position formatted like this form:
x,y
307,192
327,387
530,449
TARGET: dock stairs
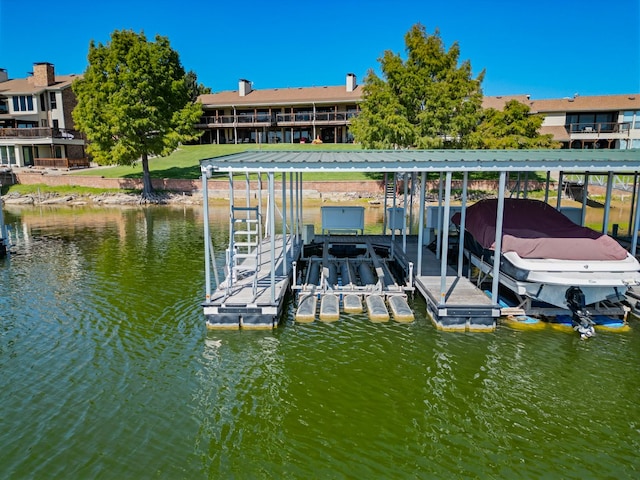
x,y
244,253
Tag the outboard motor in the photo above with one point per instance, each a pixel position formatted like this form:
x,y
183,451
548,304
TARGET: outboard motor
x,y
581,319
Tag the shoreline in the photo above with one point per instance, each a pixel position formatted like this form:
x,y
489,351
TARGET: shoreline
x,y
161,198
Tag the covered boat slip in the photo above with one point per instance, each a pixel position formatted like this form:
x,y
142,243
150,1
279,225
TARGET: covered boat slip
x,y
252,294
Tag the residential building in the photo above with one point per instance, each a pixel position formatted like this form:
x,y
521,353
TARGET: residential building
x,y
287,115
602,121
300,115
36,127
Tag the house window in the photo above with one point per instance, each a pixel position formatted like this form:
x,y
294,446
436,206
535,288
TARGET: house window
x,y
591,122
7,155
632,118
52,100
23,103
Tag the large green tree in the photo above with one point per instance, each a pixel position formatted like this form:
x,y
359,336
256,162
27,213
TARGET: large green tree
x,y
513,127
134,101
429,100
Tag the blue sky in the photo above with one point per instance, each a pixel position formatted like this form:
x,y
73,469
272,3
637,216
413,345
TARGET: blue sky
x,y
548,48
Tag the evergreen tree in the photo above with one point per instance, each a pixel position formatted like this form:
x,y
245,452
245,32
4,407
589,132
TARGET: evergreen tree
x,y
195,89
425,101
133,102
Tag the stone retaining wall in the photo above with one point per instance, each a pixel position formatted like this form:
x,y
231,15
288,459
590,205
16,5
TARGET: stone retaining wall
x,y
363,188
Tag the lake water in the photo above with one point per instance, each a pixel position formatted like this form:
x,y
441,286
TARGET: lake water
x,y
108,371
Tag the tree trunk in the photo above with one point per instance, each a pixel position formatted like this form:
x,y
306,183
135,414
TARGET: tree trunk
x,y
147,188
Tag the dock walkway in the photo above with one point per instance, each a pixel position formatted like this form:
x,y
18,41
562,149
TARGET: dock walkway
x,y
461,306
237,303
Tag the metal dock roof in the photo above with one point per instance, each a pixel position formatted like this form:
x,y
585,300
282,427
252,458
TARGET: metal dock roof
x,y
380,161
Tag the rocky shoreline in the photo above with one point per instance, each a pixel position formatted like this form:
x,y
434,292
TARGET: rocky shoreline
x,y
158,198
102,199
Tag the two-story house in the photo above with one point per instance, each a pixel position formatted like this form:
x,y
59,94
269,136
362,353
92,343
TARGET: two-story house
x,y
36,127
598,121
287,115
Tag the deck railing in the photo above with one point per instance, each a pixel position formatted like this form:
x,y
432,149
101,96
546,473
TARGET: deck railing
x,y
599,127
67,163
284,119
40,132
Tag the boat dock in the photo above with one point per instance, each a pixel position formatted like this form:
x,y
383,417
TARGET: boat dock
x,y
342,270
249,299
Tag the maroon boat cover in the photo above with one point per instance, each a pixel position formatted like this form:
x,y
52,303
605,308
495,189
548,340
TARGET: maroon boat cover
x,y
534,229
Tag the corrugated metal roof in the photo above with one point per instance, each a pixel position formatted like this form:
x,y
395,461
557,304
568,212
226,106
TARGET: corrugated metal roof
x,y
627,161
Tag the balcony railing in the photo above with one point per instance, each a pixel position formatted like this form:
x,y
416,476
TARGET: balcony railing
x,y
599,127
261,119
282,119
67,163
40,132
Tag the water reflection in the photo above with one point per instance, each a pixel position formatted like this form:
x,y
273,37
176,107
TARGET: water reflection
x,y
109,372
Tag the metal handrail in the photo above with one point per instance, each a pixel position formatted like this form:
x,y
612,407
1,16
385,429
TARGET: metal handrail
x,y
599,127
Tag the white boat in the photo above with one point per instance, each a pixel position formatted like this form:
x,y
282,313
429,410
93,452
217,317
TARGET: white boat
x,y
547,260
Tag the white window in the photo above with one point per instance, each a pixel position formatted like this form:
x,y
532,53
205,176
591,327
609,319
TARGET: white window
x,y
7,155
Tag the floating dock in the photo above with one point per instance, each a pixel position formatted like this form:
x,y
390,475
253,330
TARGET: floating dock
x,y
344,271
251,300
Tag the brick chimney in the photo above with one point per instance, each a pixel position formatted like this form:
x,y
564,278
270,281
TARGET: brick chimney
x,y
4,76
351,82
244,87
43,74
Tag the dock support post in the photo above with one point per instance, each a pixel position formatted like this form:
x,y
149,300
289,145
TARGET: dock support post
x,y
405,176
299,219
207,235
444,226
272,234
423,187
559,199
634,192
498,249
292,230
634,233
546,189
384,206
439,236
285,256
607,203
463,220
585,194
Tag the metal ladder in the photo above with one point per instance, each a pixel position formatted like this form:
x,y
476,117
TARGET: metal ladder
x,y
390,186
244,254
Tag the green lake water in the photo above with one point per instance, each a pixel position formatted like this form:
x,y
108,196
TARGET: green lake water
x,y
108,371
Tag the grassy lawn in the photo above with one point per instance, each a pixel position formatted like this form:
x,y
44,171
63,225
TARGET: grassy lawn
x,y
185,162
